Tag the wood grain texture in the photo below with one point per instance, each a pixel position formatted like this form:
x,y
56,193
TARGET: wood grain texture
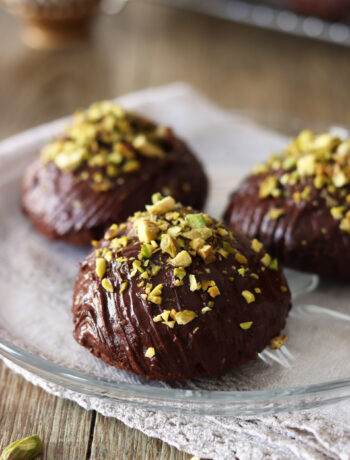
x,y
236,66
25,409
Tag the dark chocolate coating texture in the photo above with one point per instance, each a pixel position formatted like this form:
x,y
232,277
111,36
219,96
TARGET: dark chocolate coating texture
x,y
62,206
120,327
305,237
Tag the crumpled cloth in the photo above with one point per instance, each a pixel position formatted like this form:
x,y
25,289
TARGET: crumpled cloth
x,y
318,433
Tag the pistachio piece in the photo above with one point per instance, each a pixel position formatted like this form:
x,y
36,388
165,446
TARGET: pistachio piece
x,y
275,213
246,325
155,295
150,352
241,258
131,166
183,259
194,284
249,296
23,449
266,260
339,179
107,285
338,212
180,273
70,161
147,148
162,206
306,165
268,186
197,243
100,267
207,253
345,224
146,251
147,231
111,232
256,245
195,220
185,316
203,233
156,197
277,342
213,291
274,265
168,245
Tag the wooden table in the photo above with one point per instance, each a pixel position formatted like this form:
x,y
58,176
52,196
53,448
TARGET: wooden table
x,y
146,45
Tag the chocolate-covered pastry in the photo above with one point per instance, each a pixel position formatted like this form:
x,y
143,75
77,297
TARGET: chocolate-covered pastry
x,y
334,10
106,166
298,205
172,294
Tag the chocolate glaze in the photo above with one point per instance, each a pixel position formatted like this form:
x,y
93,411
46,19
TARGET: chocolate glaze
x,y
305,237
119,328
61,207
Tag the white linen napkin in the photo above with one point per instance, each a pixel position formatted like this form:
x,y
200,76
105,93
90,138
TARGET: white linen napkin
x,y
37,317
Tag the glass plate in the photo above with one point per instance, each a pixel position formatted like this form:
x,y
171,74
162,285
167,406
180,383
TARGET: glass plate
x,y
312,369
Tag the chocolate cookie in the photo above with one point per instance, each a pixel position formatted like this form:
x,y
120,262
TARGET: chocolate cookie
x,y
105,166
172,294
298,205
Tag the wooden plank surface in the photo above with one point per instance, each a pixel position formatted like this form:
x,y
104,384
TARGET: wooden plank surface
x,y
146,45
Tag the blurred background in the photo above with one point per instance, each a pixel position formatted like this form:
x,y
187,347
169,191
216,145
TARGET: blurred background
x,y
275,58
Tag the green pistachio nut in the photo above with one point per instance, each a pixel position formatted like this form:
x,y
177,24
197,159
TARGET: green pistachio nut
x,y
23,449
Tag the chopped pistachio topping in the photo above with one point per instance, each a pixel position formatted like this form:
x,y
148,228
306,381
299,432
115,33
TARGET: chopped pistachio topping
x,y
249,296
107,285
150,352
241,258
246,325
185,316
180,273
274,265
123,287
108,138
266,260
196,220
183,259
146,251
256,245
275,214
164,239
168,245
309,162
213,291
194,285
162,206
268,187
100,267
155,296
147,231
277,342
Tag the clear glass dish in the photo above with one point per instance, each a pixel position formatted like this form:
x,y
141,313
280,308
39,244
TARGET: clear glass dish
x,y
36,284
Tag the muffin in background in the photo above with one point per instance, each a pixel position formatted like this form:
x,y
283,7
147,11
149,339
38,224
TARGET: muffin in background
x,y
333,10
53,23
298,205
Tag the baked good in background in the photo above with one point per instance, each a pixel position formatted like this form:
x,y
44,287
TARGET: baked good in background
x,y
298,205
333,10
105,166
172,294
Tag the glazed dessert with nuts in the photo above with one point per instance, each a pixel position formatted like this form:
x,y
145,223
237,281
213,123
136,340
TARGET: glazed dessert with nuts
x,y
298,205
105,166
172,294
